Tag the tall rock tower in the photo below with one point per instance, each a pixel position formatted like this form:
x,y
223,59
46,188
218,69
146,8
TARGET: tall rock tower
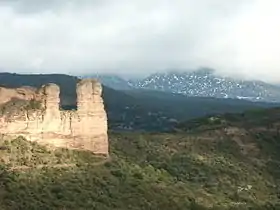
x,y
50,96
50,104
92,115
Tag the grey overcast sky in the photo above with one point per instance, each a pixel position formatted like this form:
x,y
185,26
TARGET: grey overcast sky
x,y
235,37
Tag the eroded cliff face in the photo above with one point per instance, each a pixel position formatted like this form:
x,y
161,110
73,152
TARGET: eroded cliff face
x,y
84,129
23,93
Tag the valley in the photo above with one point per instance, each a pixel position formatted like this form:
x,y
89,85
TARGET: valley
x,y
214,166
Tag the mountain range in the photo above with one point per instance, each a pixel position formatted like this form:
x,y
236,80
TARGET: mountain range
x,y
137,109
200,83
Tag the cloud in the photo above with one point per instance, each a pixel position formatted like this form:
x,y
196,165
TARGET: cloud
x,y
236,37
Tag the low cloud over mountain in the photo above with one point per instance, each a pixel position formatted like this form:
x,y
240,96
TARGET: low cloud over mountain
x,y
239,38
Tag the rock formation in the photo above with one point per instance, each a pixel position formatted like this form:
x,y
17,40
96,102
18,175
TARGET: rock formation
x,y
84,129
23,93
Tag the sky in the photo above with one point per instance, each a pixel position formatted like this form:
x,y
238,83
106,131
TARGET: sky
x,y
235,37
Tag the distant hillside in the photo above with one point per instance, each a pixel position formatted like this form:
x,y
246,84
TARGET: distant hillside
x,y
204,83
111,80
199,83
137,109
181,107
226,162
263,119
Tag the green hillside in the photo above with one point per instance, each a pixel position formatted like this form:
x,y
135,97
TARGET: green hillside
x,y
224,162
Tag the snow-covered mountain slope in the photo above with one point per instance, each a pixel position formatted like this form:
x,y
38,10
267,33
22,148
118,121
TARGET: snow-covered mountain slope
x,y
205,83
201,83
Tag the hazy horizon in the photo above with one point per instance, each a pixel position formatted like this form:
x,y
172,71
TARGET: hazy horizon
x,y
131,37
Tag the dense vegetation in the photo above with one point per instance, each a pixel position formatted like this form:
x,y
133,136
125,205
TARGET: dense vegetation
x,y
206,167
265,118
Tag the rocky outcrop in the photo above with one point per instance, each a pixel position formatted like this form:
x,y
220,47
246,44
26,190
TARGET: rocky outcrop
x,y
84,129
23,93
